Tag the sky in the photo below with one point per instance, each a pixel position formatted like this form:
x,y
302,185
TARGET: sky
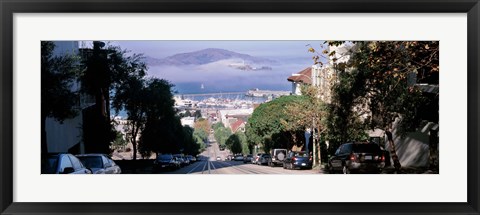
x,y
289,56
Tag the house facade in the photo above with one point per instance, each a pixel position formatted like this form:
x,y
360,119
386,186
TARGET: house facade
x,y
67,136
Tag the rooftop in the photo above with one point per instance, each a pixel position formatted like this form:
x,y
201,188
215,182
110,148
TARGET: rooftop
x,y
303,77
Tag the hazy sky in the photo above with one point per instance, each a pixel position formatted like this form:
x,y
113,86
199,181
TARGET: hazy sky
x,y
161,49
291,57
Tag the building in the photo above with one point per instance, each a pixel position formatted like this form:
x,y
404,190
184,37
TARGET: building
x,y
67,136
303,77
229,116
238,126
188,121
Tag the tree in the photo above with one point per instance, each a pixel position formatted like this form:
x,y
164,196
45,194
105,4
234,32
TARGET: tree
x,y
58,73
197,114
307,113
191,144
270,127
131,97
243,142
106,69
378,80
202,125
119,141
221,133
234,144
163,132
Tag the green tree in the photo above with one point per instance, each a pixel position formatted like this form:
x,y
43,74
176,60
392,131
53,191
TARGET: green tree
x,y
197,114
221,133
202,125
131,97
191,144
269,125
163,132
119,141
310,113
105,70
378,80
243,142
234,144
58,73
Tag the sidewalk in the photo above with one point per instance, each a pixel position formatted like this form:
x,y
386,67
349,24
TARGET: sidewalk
x,y
388,170
409,170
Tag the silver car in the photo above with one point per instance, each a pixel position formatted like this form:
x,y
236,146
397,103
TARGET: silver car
x,y
99,164
62,163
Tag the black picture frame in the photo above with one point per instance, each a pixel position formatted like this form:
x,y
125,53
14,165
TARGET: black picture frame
x,y
10,7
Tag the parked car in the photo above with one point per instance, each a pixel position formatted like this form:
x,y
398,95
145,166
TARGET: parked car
x,y
165,162
357,157
264,159
63,163
238,157
255,158
183,161
278,155
248,159
191,158
229,158
99,163
299,160
219,158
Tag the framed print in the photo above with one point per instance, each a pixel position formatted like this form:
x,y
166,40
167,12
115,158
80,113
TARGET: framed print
x,y
199,104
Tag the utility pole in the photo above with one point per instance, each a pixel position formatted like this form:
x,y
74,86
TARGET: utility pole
x,y
313,143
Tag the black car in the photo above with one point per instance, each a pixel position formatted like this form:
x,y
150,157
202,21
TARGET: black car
x,y
165,162
357,157
300,160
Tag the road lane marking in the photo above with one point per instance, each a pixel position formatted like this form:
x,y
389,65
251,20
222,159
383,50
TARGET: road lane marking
x,y
209,162
214,168
198,164
203,170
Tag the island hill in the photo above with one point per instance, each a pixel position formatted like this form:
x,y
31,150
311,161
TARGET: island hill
x,y
231,59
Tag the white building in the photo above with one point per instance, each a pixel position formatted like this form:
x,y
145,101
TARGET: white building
x,y
226,120
188,121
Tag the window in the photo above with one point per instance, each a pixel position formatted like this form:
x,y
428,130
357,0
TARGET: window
x,y
77,165
64,163
105,161
345,149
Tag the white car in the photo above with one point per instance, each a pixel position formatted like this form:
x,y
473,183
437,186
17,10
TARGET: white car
x,y
63,164
219,158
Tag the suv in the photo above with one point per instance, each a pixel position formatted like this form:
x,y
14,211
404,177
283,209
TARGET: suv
x,y
278,155
359,157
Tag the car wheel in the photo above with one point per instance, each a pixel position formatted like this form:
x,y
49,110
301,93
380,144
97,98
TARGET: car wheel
x,y
345,170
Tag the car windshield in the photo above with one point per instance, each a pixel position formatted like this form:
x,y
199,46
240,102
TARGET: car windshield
x,y
369,148
91,161
300,154
49,164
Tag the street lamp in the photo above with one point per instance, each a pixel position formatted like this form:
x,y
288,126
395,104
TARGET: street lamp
x,y
313,124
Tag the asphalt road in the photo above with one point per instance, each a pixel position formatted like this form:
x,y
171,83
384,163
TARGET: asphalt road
x,y
208,164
